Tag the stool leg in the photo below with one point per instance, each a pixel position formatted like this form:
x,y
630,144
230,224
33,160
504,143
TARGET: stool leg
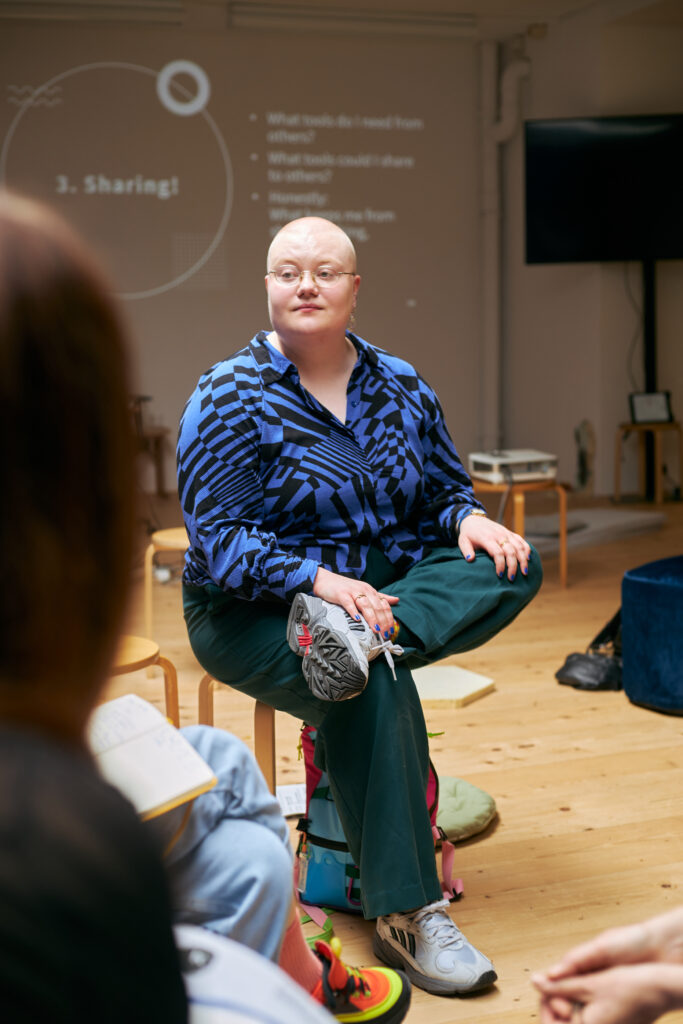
x,y
149,558
205,697
617,465
642,474
506,512
659,489
264,741
171,689
518,506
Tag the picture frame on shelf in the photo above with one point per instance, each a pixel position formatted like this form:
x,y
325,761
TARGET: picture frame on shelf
x,y
650,407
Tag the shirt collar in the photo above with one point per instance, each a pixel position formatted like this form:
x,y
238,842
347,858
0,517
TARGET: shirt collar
x,y
272,365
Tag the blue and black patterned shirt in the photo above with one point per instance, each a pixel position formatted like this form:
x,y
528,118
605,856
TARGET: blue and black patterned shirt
x,y
272,485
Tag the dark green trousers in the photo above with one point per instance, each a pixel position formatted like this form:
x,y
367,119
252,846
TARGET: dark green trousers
x,y
374,747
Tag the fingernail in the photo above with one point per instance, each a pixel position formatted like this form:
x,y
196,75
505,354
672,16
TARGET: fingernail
x,y
525,571
468,558
357,618
500,574
512,578
393,630
386,634
377,628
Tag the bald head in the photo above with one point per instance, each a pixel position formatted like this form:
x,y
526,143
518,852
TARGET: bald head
x,y
308,235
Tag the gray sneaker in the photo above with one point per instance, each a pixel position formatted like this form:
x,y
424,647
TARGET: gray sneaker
x,y
336,649
432,951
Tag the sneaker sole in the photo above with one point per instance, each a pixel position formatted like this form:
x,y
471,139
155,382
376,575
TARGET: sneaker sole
x,y
330,674
390,956
329,668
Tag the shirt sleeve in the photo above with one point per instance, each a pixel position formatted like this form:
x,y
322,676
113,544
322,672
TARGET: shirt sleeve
x,y
449,494
222,497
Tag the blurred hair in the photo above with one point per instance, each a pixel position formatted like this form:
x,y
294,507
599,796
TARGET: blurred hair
x,y
66,458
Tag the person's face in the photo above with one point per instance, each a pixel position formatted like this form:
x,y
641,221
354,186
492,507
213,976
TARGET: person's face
x,y
306,306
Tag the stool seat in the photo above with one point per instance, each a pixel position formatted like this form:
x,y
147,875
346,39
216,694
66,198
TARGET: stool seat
x,y
515,492
172,539
137,652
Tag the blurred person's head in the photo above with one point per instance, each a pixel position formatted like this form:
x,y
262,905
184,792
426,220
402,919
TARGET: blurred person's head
x,y
66,459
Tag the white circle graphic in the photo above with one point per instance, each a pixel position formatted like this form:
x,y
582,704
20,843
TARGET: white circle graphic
x,y
183,67
203,92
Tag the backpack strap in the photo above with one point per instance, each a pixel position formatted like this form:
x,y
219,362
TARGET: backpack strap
x,y
609,634
452,888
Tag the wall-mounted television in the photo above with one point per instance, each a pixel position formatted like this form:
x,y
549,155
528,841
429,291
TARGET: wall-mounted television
x,y
604,188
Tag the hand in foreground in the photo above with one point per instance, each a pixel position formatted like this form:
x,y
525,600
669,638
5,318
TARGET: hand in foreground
x,y
508,550
633,994
357,598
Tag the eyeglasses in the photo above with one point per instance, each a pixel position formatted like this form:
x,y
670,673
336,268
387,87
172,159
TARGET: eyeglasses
x,y
324,277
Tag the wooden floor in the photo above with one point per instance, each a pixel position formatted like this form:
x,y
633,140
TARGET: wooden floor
x,y
589,787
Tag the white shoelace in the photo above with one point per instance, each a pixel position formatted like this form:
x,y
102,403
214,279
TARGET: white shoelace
x,y
387,648
437,925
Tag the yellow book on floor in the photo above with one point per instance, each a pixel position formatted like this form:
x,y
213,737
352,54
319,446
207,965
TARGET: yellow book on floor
x,y
141,753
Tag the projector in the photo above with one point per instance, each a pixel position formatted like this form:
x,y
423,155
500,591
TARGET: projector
x,y
512,466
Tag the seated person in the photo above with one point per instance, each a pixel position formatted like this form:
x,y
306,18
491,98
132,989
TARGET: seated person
x,y
86,929
335,545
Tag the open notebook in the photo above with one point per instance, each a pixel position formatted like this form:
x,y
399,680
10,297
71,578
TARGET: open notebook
x,y
141,753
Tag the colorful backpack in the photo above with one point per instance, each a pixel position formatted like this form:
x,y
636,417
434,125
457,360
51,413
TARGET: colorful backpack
x,y
326,873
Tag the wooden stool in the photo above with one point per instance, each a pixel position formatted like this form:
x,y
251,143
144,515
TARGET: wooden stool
x,y
174,539
516,491
641,429
136,652
264,727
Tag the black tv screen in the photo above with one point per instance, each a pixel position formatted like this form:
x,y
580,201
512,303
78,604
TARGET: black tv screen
x,y
604,188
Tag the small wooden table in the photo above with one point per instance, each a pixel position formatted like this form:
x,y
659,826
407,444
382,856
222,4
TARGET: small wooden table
x,y
641,429
516,492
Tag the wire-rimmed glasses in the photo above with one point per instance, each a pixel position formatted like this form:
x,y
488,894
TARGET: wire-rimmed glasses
x,y
323,277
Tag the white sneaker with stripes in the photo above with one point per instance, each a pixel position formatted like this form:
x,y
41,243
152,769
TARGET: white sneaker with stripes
x,y
432,951
335,648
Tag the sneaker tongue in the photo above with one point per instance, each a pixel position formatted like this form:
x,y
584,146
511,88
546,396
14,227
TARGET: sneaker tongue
x,y
337,975
438,924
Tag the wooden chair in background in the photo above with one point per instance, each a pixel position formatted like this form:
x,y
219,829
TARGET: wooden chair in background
x,y
137,652
173,539
655,430
515,496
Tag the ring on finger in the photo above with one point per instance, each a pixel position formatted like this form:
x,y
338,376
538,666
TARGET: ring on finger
x,y
358,597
